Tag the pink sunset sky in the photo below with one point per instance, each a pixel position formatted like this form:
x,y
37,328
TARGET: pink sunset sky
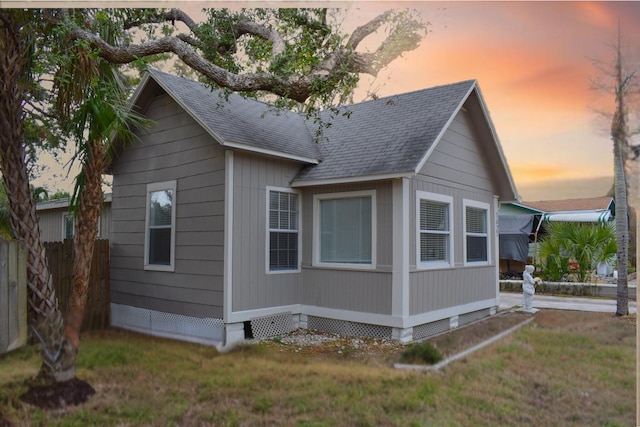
x,y
533,62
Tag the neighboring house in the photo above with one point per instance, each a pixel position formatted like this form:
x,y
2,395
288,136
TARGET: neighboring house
x,y
597,209
57,222
518,219
230,220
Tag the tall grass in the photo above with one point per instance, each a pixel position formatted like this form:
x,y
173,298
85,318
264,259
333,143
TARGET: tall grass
x,y
572,369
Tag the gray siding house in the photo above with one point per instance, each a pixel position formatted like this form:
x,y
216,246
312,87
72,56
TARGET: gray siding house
x,y
57,222
232,220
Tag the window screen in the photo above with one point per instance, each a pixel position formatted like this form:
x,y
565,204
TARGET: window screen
x,y
476,234
283,231
434,231
346,230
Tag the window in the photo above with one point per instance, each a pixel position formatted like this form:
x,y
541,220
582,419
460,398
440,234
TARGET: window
x,y
68,226
476,217
434,241
283,224
160,230
345,229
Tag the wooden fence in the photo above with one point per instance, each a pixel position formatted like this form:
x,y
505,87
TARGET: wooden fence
x,y
60,257
13,295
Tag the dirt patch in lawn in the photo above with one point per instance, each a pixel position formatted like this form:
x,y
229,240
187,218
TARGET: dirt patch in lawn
x,y
58,395
377,351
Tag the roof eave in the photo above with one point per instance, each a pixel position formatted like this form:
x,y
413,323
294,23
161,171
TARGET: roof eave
x,y
351,179
512,194
268,152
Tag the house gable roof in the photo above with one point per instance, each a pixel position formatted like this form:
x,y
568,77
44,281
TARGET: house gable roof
x,y
386,138
394,137
236,122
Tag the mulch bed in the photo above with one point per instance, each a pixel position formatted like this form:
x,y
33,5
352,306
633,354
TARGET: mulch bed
x,y
456,341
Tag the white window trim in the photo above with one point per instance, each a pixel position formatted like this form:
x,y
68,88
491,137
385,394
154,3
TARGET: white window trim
x,y
480,205
316,229
268,230
64,225
441,198
65,215
158,186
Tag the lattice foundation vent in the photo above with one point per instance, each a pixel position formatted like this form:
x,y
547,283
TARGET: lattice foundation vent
x,y
473,316
427,330
347,328
188,328
272,325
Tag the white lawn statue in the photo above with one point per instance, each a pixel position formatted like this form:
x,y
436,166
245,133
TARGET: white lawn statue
x,y
528,289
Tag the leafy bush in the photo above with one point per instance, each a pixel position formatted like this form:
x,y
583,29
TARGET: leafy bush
x,y
423,352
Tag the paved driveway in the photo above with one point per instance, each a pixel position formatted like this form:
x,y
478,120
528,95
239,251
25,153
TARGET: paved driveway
x,y
508,300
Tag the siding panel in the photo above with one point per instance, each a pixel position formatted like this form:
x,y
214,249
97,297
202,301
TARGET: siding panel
x,y
365,291
175,148
253,287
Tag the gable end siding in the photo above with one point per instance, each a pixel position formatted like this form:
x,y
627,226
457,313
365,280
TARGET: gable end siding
x,y
457,168
174,148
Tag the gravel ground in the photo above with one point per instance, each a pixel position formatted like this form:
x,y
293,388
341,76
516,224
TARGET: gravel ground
x,y
388,351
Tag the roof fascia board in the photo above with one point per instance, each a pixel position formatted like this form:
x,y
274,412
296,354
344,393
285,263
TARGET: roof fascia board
x,y
529,208
351,179
443,130
230,144
64,203
271,152
193,115
494,136
496,141
139,89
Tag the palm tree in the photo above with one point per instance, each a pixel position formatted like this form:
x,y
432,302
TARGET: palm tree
x,y
100,120
16,68
587,244
621,147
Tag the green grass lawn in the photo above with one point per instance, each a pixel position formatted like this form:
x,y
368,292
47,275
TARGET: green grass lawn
x,y
565,368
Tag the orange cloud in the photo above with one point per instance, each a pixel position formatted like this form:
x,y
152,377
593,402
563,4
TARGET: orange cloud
x,y
597,14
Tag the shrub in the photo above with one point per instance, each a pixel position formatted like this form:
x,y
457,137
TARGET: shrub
x,y
423,352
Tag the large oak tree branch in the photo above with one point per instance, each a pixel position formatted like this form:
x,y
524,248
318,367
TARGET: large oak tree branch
x,y
298,87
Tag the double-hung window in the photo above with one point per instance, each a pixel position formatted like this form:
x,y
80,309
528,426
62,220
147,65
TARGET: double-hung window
x,y
344,229
476,220
434,239
283,236
160,226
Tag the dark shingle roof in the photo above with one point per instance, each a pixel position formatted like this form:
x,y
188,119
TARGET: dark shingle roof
x,y
241,121
386,136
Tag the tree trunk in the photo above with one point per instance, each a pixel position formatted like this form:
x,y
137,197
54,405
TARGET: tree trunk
x,y
622,232
90,203
620,137
45,317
